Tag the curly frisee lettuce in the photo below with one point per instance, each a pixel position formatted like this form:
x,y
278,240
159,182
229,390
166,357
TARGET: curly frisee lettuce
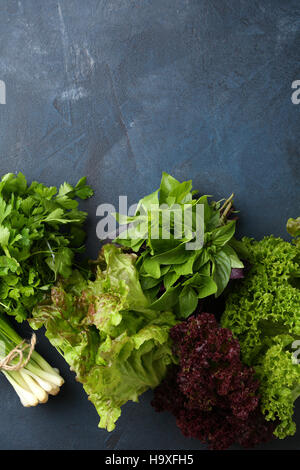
x,y
263,312
105,330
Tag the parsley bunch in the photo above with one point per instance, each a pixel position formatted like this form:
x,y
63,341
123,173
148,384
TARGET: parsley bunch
x,y
40,230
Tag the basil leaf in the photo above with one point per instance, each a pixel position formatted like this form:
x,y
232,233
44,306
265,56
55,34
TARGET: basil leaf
x,y
152,293
152,267
177,255
222,270
204,285
147,202
167,300
188,301
239,247
222,235
161,246
207,288
201,259
149,282
170,278
234,259
172,191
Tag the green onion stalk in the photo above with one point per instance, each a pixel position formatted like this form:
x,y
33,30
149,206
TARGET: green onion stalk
x,y
34,381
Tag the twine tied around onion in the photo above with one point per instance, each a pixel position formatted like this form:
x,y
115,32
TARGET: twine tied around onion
x,y
18,351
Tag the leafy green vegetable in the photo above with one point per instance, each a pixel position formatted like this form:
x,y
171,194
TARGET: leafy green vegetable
x,y
40,230
293,227
263,311
105,330
166,222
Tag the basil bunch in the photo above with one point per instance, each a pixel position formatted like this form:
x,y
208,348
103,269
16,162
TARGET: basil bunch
x,y
171,273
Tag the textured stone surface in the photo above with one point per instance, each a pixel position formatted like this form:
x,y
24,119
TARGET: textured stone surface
x,y
120,90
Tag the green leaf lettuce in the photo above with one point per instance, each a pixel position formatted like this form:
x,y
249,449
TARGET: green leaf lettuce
x,y
116,345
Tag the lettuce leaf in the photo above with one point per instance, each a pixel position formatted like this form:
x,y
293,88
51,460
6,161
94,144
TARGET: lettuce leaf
x,y
293,227
116,345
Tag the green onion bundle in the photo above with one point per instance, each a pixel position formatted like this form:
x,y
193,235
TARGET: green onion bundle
x,y
36,380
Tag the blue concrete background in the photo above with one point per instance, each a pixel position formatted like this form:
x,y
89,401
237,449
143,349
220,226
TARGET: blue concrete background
x,y
120,90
